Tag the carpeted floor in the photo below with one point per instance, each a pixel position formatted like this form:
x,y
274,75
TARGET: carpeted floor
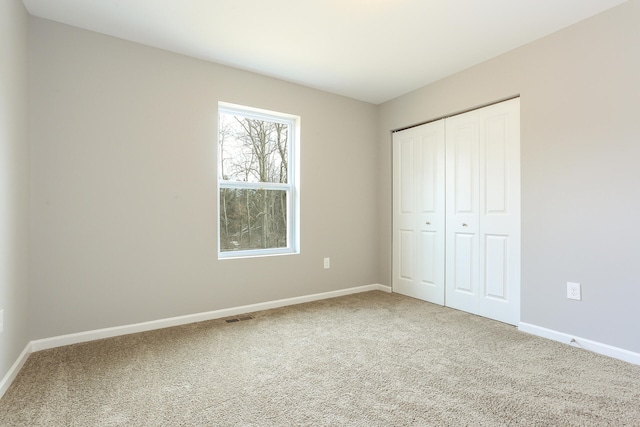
x,y
371,359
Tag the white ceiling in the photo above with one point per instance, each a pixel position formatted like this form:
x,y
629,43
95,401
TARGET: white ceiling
x,y
372,50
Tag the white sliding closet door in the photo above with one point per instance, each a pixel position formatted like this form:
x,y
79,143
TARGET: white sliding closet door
x,y
419,210
456,218
483,211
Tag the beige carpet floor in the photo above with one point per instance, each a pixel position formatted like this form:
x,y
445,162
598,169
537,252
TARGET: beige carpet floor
x,y
371,359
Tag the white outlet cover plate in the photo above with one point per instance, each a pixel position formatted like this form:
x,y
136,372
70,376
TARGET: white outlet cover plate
x,y
574,291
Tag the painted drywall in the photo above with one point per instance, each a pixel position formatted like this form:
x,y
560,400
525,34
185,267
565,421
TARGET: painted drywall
x,y
124,185
14,183
580,145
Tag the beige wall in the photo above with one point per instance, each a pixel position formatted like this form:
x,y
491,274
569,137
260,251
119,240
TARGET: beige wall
x,y
123,177
124,185
14,183
580,133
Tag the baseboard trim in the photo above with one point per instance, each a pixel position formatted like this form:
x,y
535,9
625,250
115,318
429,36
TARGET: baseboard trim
x,y
596,347
14,370
80,337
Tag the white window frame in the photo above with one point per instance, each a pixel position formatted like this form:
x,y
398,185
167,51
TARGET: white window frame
x,y
292,186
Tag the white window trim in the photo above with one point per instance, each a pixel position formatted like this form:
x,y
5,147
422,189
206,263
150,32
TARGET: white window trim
x,y
292,186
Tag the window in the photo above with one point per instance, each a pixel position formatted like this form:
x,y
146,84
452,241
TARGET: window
x,y
258,208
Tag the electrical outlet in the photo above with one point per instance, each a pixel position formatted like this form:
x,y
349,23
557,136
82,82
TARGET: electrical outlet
x,y
573,291
327,263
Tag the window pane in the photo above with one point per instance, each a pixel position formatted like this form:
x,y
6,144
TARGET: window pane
x,y
253,150
252,219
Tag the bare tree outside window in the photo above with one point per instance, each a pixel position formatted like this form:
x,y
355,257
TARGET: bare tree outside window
x,y
253,168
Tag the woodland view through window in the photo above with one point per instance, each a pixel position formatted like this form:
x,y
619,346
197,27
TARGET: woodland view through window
x,y
256,182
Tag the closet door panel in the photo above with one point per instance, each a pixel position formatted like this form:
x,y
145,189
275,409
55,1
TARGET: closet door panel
x,y
431,218
495,267
462,197
407,175
499,162
429,258
464,152
419,211
495,162
429,167
404,255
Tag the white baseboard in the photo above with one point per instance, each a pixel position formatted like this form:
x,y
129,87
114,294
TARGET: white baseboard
x,y
59,341
596,347
13,371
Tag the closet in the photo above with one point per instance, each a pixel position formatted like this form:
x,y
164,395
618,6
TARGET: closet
x,y
456,211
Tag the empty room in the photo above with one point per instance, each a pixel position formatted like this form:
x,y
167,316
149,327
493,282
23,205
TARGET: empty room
x,y
354,212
